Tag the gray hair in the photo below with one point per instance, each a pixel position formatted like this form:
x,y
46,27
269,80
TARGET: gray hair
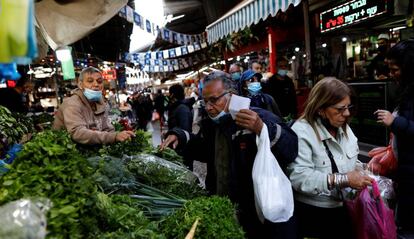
x,y
228,82
88,70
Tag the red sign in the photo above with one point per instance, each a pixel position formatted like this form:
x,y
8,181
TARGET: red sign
x,y
109,75
11,83
350,13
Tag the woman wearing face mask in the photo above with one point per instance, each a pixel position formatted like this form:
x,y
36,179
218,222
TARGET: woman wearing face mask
x,y
327,162
250,86
84,115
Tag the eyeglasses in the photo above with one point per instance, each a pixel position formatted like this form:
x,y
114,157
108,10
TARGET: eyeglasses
x,y
212,100
342,109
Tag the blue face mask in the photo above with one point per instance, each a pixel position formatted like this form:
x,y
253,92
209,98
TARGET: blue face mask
x,y
92,95
254,88
236,76
282,72
217,118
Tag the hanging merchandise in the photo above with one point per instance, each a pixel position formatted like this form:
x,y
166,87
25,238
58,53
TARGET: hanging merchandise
x,y
8,72
17,35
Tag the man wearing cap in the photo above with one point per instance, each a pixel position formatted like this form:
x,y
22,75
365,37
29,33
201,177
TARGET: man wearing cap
x,y
250,86
378,68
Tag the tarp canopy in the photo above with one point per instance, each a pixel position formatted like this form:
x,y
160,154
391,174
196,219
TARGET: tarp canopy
x,y
62,24
244,14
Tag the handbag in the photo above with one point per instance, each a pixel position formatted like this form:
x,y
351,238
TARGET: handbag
x,y
383,160
272,189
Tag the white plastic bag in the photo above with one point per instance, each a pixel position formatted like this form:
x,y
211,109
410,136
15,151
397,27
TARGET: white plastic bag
x,y
272,189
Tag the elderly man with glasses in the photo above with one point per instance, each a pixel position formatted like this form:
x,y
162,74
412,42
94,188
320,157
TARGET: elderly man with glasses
x,y
229,148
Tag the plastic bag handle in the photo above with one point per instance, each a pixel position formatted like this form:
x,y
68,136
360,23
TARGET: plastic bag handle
x,y
375,190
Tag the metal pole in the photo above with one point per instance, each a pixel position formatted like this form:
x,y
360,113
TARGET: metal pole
x,y
307,36
56,83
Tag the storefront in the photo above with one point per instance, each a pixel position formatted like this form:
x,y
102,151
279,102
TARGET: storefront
x,y
351,41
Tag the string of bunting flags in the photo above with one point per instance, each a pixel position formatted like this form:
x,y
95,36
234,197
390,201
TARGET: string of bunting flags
x,y
168,53
171,36
170,65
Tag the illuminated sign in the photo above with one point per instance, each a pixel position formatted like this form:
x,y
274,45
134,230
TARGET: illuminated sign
x,y
109,75
350,13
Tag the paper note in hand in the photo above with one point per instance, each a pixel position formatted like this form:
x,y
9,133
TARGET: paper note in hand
x,y
238,103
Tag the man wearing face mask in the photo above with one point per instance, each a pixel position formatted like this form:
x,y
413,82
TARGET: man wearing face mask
x,y
378,68
282,89
229,148
250,86
84,115
235,71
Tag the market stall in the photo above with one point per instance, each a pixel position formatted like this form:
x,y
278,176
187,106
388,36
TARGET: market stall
x,y
55,188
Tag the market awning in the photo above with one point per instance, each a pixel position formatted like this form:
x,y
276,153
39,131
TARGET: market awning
x,y
244,14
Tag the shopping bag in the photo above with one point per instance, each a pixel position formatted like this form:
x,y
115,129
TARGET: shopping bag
x,y
272,189
383,160
370,217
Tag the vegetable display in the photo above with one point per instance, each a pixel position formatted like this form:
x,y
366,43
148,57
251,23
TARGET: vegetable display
x,y
128,197
164,175
216,216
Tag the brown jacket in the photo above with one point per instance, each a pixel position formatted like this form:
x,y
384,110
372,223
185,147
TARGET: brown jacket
x,y
85,125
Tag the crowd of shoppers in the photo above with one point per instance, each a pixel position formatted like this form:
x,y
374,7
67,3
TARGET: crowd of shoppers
x,y
318,151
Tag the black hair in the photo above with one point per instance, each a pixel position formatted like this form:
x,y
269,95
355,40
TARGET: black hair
x,y
281,59
178,91
402,54
23,75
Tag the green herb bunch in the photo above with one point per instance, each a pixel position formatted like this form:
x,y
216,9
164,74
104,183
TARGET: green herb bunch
x,y
216,215
49,166
140,143
165,176
124,221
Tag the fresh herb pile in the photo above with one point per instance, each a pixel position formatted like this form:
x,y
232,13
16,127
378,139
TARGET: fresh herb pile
x,y
169,155
49,166
140,143
124,221
217,220
164,175
140,196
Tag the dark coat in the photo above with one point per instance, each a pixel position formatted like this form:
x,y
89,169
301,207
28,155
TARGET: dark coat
x,y
403,129
266,102
180,116
201,147
283,92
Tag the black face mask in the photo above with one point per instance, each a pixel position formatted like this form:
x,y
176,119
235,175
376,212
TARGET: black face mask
x,y
382,49
327,124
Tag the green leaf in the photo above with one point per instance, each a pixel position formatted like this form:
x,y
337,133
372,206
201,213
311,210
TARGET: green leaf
x,y
67,209
8,182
